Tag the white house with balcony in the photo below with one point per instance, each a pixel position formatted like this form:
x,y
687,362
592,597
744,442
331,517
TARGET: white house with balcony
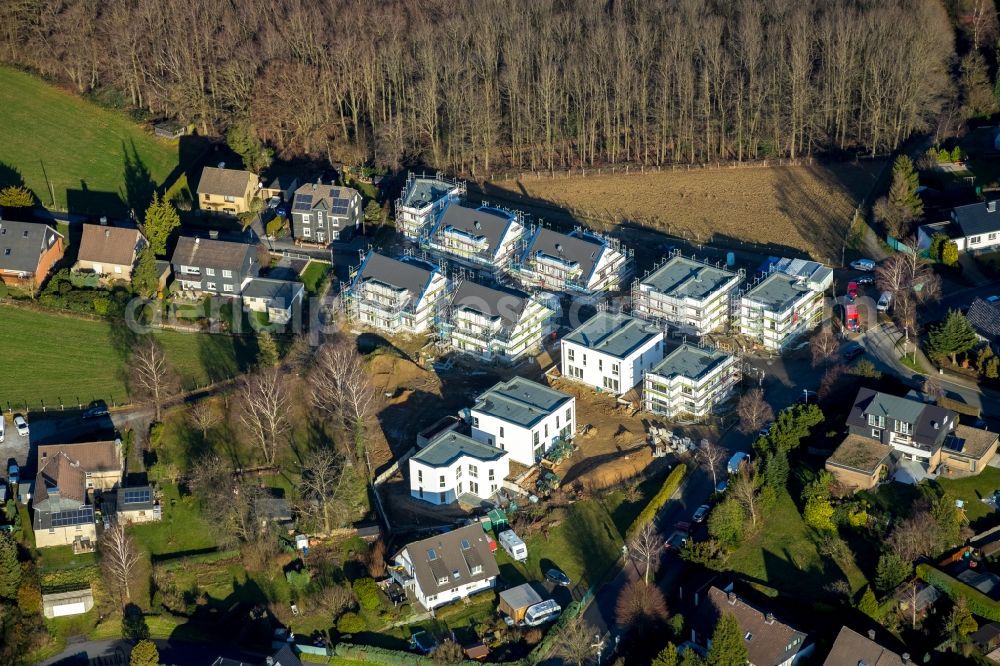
x,y
693,296
523,418
577,262
690,381
454,466
778,309
610,352
481,239
398,296
493,324
422,200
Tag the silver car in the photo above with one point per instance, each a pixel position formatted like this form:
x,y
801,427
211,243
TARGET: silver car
x,y
21,425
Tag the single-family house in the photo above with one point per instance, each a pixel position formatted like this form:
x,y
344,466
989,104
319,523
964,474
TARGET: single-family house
x,y
979,227
282,186
108,251
396,295
101,461
446,567
493,323
769,641
226,191
482,239
987,637
853,649
916,599
578,262
62,514
524,418
456,467
610,352
690,380
421,201
322,214
860,463
985,318
207,266
691,295
778,309
28,251
279,299
137,504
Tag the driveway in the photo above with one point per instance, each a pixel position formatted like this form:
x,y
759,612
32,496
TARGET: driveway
x,y
171,652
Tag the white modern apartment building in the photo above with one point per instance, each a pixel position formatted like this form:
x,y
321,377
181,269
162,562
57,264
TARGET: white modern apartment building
x,y
454,466
610,352
422,199
493,324
481,239
690,381
577,262
778,309
691,295
523,418
396,295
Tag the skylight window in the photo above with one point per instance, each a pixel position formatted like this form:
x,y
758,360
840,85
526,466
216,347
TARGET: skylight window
x,y
466,545
431,555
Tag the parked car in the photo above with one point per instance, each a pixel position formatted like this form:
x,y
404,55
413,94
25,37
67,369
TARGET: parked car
x,y
3,428
721,486
679,537
95,412
21,425
992,299
700,513
884,301
14,472
557,577
766,430
852,290
852,350
866,279
866,265
736,462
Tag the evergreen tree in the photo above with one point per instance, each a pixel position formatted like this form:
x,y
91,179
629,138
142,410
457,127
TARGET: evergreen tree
x,y
691,658
952,337
267,350
891,571
16,196
902,205
949,253
373,213
242,139
10,568
728,648
160,221
145,281
868,604
667,656
960,622
145,654
134,627
818,514
727,523
776,470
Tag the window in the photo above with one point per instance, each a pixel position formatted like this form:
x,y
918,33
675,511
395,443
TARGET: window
x,y
904,428
227,274
443,497
546,426
614,368
6,252
420,476
570,354
305,219
973,240
535,438
876,433
569,414
557,422
492,475
459,489
458,472
501,432
210,286
118,269
227,287
476,569
306,232
229,199
319,222
441,482
475,424
443,580
473,471
600,365
991,237
210,272
876,421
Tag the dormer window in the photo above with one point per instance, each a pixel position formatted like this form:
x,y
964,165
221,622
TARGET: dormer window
x,y
904,428
876,421
443,580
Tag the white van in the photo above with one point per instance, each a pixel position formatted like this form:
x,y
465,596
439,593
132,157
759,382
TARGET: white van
x,y
3,427
513,544
884,301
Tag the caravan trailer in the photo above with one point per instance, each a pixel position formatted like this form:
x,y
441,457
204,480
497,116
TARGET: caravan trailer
x,y
546,611
513,544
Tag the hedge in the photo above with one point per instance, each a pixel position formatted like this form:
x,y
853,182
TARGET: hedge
x,y
666,491
376,655
979,603
960,407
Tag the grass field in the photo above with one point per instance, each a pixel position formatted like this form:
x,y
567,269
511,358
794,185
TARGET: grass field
x,y
52,357
182,528
65,146
972,489
803,208
314,276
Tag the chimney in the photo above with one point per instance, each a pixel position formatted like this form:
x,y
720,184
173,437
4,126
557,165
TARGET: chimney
x,y
906,657
107,233
214,234
991,206
197,241
104,220
769,618
731,597
871,634
222,165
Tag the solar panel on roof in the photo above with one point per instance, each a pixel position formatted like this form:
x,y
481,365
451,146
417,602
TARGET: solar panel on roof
x,y
137,495
74,517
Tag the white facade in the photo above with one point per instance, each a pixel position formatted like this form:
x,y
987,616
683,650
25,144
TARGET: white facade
x,y
446,568
779,309
482,239
422,199
493,324
691,295
453,465
577,262
690,380
610,352
396,296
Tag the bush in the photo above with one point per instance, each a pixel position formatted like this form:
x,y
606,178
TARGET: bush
x,y
668,488
351,623
979,603
298,580
384,657
366,592
274,226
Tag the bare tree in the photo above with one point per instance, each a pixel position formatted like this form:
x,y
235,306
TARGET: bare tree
x,y
233,498
644,549
342,389
264,412
151,374
640,605
911,280
711,455
325,484
204,415
933,388
575,640
119,557
745,489
754,411
824,346
914,537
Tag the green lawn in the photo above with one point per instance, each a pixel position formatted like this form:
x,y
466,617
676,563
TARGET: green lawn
x,y
57,358
972,489
784,555
314,276
182,529
92,160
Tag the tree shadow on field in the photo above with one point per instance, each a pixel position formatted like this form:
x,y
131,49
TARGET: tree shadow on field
x,y
139,184
10,176
92,204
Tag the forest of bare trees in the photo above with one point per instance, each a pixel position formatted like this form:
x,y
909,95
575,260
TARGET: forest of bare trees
x,y
528,83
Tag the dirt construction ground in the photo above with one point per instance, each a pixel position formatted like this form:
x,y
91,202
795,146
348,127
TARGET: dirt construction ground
x,y
806,208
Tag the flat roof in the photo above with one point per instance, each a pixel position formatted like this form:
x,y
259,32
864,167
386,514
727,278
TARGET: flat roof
x,y
682,277
521,401
449,446
860,453
689,361
272,289
778,291
426,190
614,334
970,442
522,596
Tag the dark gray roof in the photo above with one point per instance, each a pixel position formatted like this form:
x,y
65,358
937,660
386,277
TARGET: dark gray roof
x,y
852,649
573,249
272,289
778,291
681,277
689,361
922,416
192,251
521,401
481,222
274,508
985,318
283,181
448,446
977,218
614,334
135,498
425,191
23,243
443,556
984,581
508,304
334,199
224,182
408,275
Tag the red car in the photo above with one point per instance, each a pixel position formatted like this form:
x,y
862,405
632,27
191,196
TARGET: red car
x,y
851,319
852,290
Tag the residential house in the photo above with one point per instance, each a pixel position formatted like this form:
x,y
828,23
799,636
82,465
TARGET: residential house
x,y
279,299
693,296
860,463
853,649
610,352
979,226
985,318
101,461
456,467
226,191
988,542
322,214
578,262
493,324
446,567
108,251
206,266
28,251
769,641
62,514
482,239
137,504
968,451
778,309
282,186
422,200
283,656
396,295
524,418
690,380
987,637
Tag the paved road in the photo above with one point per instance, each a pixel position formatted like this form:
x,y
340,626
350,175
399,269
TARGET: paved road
x,y
176,653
